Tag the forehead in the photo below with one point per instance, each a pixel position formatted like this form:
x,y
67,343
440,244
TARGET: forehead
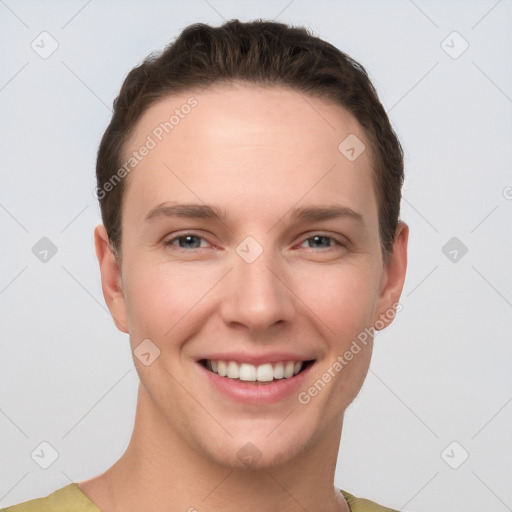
x,y
246,107
235,141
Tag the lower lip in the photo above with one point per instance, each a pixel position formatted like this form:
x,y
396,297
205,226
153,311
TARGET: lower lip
x,y
256,393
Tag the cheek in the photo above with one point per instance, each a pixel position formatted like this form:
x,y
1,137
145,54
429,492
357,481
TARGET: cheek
x,y
161,297
344,302
343,298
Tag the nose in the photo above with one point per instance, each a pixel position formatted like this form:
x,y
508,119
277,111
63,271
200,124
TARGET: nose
x,y
258,295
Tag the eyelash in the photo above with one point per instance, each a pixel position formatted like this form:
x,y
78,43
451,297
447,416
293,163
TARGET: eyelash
x,y
170,242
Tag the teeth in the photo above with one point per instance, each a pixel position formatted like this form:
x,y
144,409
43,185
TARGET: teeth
x,y
233,370
222,368
288,369
278,371
247,371
250,373
265,373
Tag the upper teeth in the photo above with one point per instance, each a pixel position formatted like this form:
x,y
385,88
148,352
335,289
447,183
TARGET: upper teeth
x,y
249,372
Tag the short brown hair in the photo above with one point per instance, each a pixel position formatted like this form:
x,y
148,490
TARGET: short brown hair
x,y
259,52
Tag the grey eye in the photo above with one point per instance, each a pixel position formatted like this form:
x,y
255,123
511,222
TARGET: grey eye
x,y
319,241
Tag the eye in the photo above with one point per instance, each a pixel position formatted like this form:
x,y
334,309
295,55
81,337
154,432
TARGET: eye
x,y
186,241
321,242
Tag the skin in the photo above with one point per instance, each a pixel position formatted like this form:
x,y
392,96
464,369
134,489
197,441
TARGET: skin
x,y
257,153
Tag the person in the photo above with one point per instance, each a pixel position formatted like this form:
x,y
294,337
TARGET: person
x,y
251,246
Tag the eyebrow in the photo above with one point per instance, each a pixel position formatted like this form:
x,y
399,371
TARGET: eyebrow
x,y
319,213
203,211
190,211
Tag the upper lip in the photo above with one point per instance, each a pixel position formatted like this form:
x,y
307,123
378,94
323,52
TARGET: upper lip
x,y
255,359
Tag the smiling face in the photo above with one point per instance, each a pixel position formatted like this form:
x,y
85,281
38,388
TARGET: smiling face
x,y
247,236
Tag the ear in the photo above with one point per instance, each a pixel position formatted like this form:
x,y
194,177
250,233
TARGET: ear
x,y
393,277
111,281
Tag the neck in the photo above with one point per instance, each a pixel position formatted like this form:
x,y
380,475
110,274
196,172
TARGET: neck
x,y
161,472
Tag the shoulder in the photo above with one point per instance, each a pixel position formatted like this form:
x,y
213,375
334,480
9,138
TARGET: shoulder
x,y
66,499
363,505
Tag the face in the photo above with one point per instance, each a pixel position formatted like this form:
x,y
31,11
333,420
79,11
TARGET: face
x,y
250,245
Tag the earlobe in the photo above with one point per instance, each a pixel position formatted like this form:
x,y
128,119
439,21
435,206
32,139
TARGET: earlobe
x,y
393,278
111,282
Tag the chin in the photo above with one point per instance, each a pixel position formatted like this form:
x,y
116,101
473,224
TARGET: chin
x,y
258,451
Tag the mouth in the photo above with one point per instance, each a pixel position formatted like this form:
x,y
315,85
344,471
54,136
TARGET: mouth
x,y
265,373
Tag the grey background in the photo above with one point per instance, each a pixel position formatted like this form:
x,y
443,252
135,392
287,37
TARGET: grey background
x,y
440,373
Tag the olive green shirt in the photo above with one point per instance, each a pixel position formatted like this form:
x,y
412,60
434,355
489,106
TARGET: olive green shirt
x,y
71,499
